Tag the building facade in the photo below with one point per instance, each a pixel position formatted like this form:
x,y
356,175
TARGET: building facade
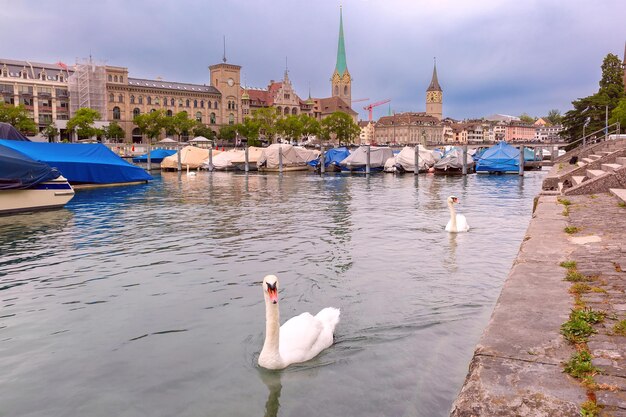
x,y
519,132
341,81
434,97
408,129
41,88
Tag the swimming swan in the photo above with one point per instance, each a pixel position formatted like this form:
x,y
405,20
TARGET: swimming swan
x,y
457,222
190,174
300,338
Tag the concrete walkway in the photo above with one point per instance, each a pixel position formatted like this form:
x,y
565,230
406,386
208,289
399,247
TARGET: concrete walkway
x,y
517,368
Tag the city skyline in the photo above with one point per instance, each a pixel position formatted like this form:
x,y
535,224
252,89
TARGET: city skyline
x,y
499,57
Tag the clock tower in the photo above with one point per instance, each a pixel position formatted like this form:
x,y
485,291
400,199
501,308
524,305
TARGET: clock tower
x,y
341,81
434,97
226,78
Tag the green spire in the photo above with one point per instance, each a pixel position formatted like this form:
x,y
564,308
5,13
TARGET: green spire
x,y
341,66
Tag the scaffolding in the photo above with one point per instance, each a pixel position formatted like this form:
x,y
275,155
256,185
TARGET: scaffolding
x,y
87,86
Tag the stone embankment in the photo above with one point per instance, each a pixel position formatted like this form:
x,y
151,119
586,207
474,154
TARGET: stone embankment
x,y
562,308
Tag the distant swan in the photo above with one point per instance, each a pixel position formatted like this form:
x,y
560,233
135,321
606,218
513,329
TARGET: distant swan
x,y
190,174
301,338
457,222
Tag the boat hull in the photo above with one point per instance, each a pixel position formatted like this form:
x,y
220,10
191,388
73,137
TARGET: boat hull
x,y
43,196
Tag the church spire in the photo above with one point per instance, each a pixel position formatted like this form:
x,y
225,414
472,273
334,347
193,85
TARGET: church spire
x,y
434,83
341,65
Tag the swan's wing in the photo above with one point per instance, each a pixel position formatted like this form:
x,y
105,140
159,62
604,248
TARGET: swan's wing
x,y
298,336
461,223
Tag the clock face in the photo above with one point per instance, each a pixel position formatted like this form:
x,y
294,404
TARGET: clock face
x,y
434,96
231,82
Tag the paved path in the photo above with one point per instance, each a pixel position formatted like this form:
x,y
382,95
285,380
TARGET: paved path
x,y
517,368
601,216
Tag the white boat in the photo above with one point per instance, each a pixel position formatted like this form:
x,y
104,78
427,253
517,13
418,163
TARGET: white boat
x,y
293,158
44,195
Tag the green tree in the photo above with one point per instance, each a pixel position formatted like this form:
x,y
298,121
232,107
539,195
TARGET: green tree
x,y
310,125
266,118
83,123
554,117
249,129
619,114
227,132
200,129
18,117
50,132
151,124
180,124
341,126
290,127
114,131
591,111
524,117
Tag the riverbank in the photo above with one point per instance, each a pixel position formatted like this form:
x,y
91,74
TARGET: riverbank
x,y
518,366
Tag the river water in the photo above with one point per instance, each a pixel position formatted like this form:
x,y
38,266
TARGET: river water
x,y
146,300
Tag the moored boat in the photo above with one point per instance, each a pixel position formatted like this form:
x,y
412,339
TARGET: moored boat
x,y
452,163
357,160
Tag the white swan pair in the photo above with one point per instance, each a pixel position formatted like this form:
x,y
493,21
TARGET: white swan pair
x,y
300,339
457,222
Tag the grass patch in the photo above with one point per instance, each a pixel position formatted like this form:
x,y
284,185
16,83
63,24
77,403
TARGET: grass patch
x,y
565,212
579,366
564,201
598,290
620,328
592,196
571,230
575,276
621,204
578,328
590,409
568,264
579,288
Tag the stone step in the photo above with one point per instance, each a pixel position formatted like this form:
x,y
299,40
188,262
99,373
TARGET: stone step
x,y
604,153
610,167
580,163
620,160
577,179
595,157
587,160
619,193
592,173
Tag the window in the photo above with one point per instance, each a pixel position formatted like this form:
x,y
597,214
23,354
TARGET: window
x,y
169,113
115,78
111,98
286,111
120,98
231,119
208,104
212,118
140,99
110,78
286,96
187,103
116,113
202,104
132,99
199,116
149,100
121,79
165,101
172,102
180,102
152,111
215,105
136,112
61,77
345,90
195,104
294,111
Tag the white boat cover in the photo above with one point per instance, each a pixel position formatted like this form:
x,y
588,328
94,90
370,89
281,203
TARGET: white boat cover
x,y
358,158
308,154
406,159
231,158
453,159
189,155
292,156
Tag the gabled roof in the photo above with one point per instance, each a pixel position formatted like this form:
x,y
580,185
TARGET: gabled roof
x,y
408,118
332,104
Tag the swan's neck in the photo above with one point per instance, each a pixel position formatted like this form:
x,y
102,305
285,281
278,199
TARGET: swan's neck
x,y
452,217
270,353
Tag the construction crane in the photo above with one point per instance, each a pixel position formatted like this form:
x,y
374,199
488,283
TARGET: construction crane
x,y
369,107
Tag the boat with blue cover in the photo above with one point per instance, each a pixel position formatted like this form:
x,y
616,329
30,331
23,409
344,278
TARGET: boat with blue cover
x,y
501,158
332,158
156,155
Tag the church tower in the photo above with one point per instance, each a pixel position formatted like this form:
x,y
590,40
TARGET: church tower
x,y
341,81
434,97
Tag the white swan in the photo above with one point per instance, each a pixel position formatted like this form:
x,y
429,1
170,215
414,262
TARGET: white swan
x,y
457,222
301,338
190,174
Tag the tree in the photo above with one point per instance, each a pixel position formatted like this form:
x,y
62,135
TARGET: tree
x,y
554,117
151,124
18,117
342,126
249,129
228,132
83,123
51,132
310,125
289,127
114,131
589,113
619,114
527,119
267,118
200,129
179,124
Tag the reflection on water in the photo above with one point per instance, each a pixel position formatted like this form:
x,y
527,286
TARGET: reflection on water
x,y
145,300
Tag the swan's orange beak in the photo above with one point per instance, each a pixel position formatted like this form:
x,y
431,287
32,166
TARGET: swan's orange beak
x,y
272,292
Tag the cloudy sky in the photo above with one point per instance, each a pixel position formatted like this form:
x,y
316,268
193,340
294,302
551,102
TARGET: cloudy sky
x,y
493,56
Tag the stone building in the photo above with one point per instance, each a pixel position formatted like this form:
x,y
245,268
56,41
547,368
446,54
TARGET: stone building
x,y
519,132
279,95
408,129
41,88
341,81
434,97
366,137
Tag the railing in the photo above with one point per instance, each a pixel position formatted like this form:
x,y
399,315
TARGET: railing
x,y
586,139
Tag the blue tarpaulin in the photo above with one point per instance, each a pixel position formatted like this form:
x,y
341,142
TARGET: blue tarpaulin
x,y
332,157
18,171
7,131
156,155
81,163
499,158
